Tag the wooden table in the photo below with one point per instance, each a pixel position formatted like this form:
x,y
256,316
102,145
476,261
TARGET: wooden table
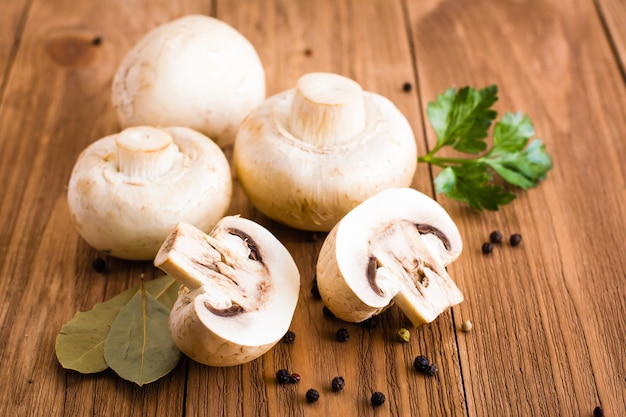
x,y
549,316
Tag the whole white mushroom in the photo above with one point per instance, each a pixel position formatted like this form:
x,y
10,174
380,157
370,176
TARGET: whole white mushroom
x,y
197,72
308,155
128,190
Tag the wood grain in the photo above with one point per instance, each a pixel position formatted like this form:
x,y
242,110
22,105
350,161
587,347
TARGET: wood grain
x,y
613,13
12,20
549,325
538,308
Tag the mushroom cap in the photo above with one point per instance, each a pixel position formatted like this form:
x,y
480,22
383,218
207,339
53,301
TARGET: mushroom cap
x,y
129,217
401,234
311,187
267,287
197,72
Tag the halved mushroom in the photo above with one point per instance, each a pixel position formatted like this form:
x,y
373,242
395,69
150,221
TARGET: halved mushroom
x,y
127,191
239,293
392,248
310,154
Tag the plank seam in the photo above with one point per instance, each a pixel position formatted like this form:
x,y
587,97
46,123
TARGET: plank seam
x,y
609,36
418,91
14,47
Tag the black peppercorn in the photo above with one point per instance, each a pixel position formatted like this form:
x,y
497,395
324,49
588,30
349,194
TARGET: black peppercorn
x,y
407,86
598,412
328,313
289,337
495,237
378,398
315,290
338,383
99,265
96,41
370,323
421,363
342,335
308,52
487,248
515,239
312,395
283,376
294,378
432,370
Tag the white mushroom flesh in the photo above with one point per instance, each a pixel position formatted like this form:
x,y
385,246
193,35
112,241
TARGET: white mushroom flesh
x,y
392,248
240,290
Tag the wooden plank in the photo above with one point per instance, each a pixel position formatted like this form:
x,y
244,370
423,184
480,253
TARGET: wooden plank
x,y
549,326
366,41
57,102
549,332
613,13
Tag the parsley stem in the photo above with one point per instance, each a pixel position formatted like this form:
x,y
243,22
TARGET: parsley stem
x,y
442,162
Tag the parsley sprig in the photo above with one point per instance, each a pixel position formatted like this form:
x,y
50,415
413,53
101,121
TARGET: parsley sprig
x,y
461,120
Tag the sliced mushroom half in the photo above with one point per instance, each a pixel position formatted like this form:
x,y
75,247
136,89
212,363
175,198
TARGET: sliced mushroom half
x,y
392,248
239,293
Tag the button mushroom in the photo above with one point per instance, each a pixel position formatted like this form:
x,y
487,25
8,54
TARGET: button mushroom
x,y
197,72
310,154
127,191
239,293
392,248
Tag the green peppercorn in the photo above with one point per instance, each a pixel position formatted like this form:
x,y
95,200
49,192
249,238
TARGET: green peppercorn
x,y
515,239
342,335
403,335
495,237
378,399
312,395
338,383
487,248
421,363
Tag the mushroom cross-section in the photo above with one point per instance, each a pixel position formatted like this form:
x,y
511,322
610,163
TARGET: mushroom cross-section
x,y
308,155
128,190
392,248
239,293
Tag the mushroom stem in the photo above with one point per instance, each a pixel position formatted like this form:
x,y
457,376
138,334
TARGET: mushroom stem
x,y
327,109
145,152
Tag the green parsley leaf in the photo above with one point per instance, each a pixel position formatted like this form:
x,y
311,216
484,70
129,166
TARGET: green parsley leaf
x,y
462,120
512,133
470,184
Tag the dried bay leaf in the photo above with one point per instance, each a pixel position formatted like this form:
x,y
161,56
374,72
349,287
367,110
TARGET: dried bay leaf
x,y
139,347
80,343
164,289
